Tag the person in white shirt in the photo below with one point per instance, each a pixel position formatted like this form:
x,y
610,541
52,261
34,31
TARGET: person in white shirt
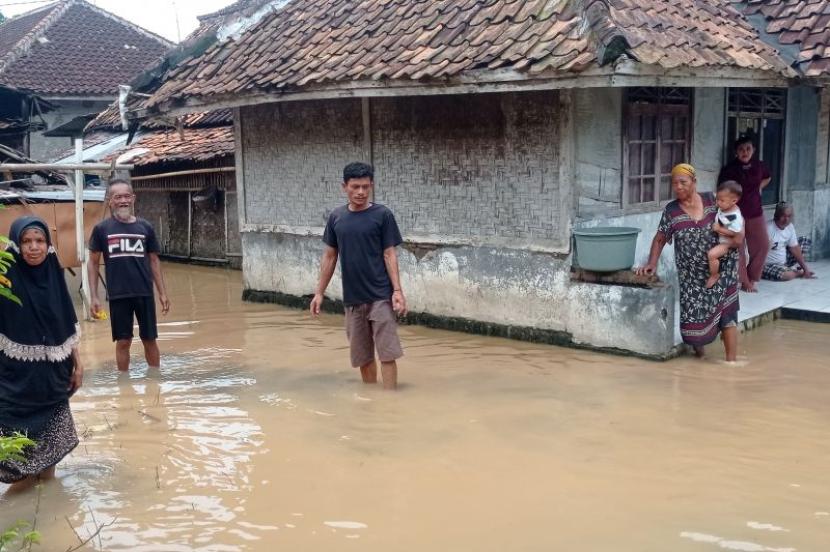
x,y
784,240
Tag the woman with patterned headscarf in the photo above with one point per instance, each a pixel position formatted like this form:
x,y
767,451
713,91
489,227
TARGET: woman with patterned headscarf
x,y
39,363
688,222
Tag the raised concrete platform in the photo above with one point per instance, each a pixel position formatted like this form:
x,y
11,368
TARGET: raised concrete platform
x,y
798,299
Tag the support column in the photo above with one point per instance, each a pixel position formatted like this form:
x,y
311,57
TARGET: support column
x,y
79,227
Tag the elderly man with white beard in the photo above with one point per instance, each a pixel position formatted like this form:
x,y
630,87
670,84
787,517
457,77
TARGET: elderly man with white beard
x,y
130,250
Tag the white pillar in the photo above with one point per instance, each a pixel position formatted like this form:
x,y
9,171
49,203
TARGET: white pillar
x,y
79,227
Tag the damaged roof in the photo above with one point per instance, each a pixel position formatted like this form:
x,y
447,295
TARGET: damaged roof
x,y
73,48
110,119
294,45
803,24
193,145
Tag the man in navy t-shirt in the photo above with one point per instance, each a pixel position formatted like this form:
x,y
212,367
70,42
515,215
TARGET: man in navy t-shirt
x,y
130,250
365,235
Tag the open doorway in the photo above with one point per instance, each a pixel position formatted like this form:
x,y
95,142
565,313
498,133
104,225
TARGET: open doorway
x,y
760,114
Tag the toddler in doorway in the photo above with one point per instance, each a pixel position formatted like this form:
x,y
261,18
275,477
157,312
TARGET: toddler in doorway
x,y
728,224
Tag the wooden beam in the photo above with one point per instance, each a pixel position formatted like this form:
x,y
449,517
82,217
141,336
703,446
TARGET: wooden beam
x,y
182,173
623,74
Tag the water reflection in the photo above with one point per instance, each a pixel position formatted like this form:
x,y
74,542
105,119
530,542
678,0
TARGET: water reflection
x,y
255,434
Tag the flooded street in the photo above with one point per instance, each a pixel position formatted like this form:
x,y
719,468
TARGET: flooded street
x,y
256,434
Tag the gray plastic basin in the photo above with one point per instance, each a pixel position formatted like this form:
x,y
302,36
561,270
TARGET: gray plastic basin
x,y
606,248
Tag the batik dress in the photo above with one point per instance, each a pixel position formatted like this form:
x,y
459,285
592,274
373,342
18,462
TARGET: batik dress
x,y
703,312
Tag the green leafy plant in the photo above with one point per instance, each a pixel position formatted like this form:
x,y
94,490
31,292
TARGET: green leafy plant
x,y
17,535
11,448
6,260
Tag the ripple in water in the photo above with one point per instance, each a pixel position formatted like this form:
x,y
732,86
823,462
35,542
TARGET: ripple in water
x,y
740,546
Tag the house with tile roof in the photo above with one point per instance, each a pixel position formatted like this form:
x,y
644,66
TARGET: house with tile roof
x,y
184,176
184,180
495,128
800,31
74,55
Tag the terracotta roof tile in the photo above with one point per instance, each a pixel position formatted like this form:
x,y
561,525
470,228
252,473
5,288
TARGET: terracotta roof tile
x,y
199,144
308,43
73,48
802,24
110,119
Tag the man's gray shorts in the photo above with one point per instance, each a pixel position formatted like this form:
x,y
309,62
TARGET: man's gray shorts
x,y
370,326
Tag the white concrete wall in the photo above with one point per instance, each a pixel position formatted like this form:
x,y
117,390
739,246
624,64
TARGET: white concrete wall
x,y
504,287
812,217
807,186
598,144
823,138
708,136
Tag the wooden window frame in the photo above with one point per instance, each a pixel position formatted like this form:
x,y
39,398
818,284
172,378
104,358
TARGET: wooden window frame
x,y
657,109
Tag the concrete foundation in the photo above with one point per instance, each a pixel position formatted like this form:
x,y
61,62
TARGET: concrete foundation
x,y
496,291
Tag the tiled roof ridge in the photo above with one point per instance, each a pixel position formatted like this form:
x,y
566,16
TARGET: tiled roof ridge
x,y
221,12
77,49
237,6
139,29
58,9
23,45
610,38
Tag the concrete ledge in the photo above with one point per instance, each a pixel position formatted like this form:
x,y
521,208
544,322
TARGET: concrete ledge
x,y
520,333
759,320
805,315
332,306
235,264
784,313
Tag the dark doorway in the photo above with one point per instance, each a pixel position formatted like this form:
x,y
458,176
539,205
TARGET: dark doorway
x,y
759,113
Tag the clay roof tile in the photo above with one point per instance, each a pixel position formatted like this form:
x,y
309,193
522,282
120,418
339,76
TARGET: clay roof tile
x,y
317,42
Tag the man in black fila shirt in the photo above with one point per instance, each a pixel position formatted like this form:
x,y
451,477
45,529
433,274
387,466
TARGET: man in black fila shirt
x,y
132,265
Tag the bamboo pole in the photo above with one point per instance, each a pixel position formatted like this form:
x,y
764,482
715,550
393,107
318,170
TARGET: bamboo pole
x,y
189,224
225,209
80,166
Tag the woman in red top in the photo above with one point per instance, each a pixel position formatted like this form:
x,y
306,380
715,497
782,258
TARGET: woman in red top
x,y
753,176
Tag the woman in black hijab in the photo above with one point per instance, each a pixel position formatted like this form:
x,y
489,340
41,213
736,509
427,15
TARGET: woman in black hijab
x,y
39,363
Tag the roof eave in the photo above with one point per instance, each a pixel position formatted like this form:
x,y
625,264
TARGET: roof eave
x,y
624,73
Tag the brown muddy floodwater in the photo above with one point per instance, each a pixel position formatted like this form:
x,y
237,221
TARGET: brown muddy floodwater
x,y
257,436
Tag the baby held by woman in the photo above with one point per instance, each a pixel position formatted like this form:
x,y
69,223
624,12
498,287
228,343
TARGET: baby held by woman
x,y
728,224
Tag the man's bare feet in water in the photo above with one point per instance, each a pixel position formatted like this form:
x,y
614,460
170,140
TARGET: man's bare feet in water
x,y
749,288
699,353
713,279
